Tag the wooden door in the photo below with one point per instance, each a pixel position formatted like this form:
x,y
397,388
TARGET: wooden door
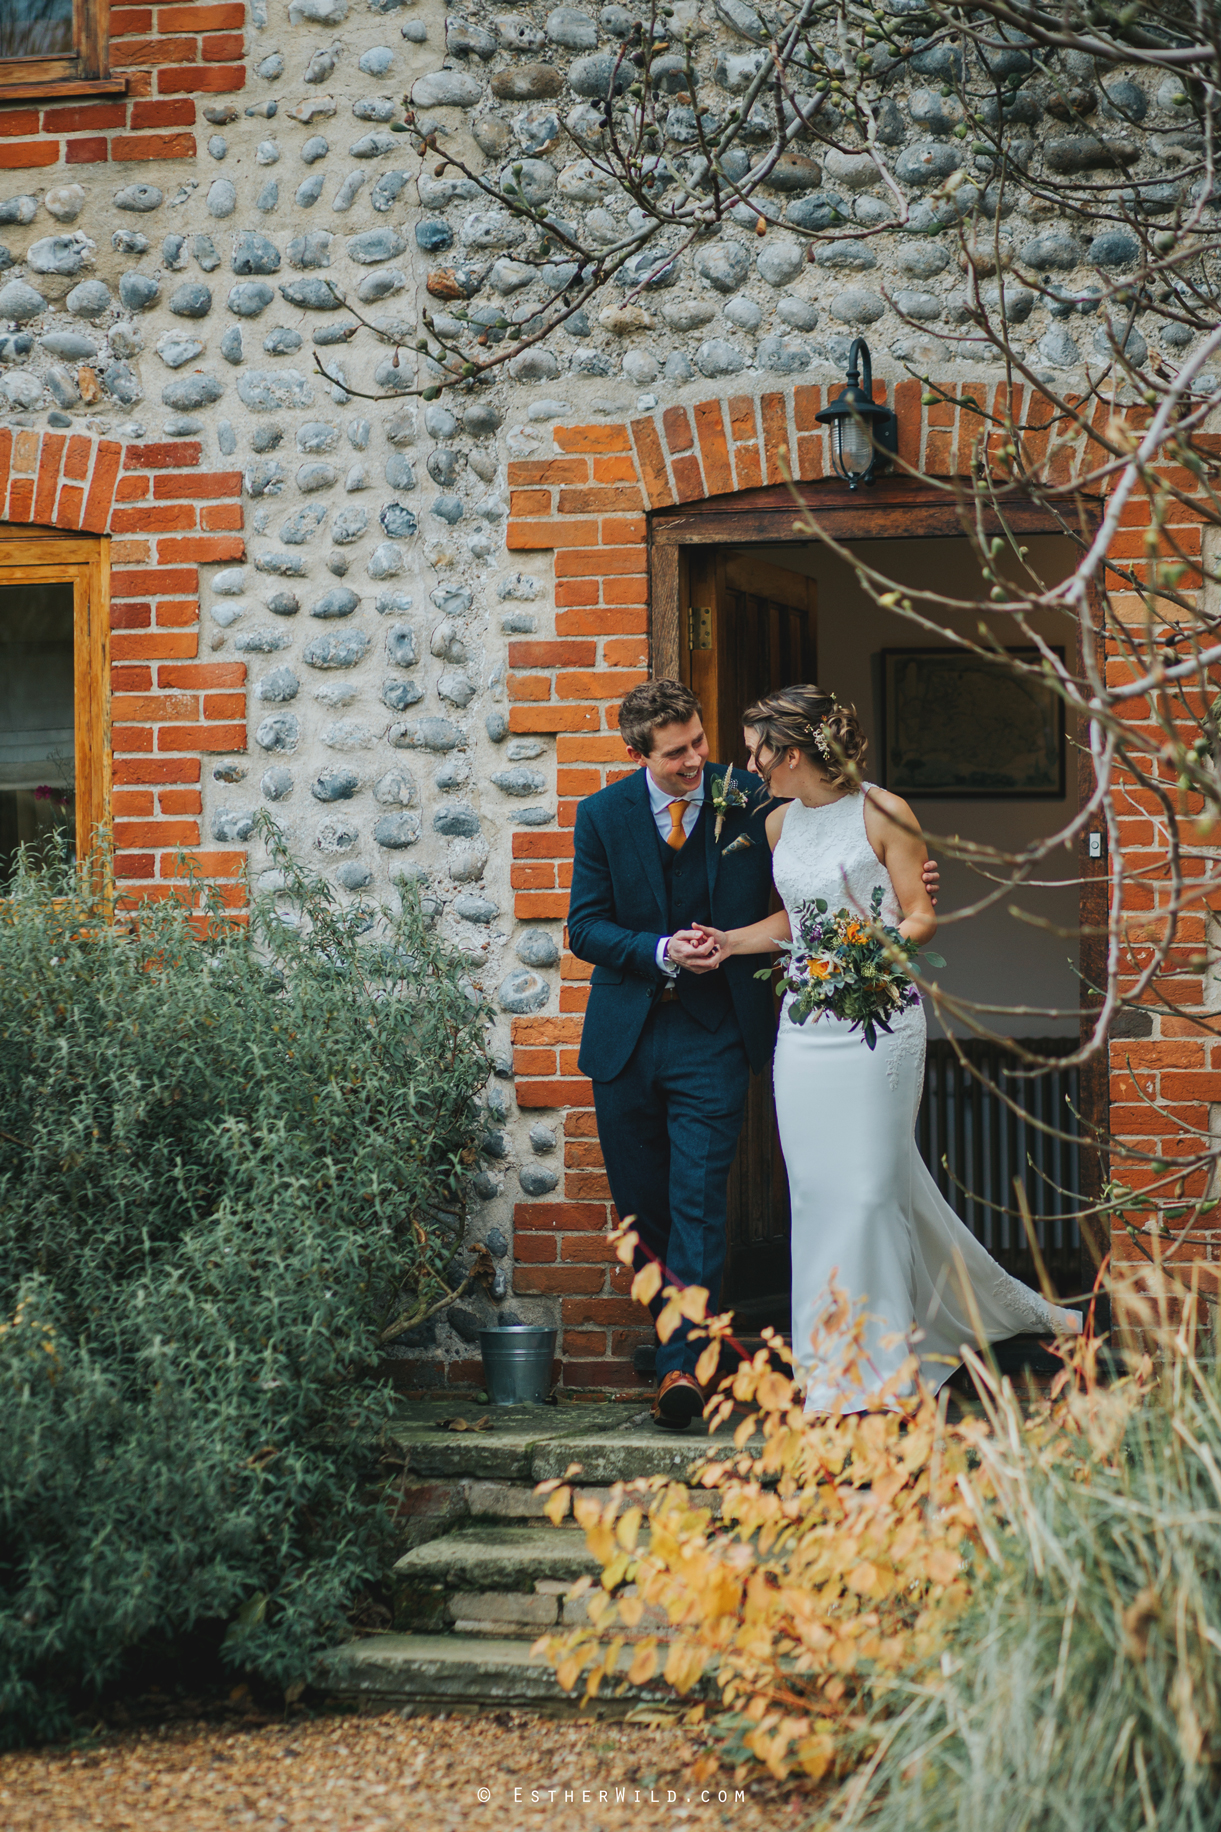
x,y
747,627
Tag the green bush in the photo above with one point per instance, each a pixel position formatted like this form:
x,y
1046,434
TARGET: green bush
x,y
231,1163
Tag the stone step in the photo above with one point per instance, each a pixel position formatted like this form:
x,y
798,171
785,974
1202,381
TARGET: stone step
x,y
428,1509
497,1558
528,1444
500,1581
456,1670
511,1613
486,1573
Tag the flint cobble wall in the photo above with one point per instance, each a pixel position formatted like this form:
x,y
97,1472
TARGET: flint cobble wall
x,y
402,627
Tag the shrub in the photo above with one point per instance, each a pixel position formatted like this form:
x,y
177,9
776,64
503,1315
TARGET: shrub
x,y
1003,1624
842,1550
231,1163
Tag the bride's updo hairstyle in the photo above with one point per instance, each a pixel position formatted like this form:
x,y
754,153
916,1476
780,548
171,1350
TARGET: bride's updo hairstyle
x,y
807,719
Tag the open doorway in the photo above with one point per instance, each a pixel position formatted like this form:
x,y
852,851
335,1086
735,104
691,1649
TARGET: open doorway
x,y
745,611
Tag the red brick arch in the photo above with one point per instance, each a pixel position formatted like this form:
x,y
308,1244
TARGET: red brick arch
x,y
587,504
168,708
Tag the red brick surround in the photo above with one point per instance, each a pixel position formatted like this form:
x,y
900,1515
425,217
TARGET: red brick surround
x,y
587,506
168,708
170,56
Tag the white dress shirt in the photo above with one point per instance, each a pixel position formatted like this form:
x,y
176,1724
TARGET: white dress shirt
x,y
659,801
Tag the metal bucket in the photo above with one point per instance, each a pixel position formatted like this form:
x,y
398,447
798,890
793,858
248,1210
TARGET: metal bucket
x,y
517,1364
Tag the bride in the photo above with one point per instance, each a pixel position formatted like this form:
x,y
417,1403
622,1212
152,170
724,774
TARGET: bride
x,y
868,1219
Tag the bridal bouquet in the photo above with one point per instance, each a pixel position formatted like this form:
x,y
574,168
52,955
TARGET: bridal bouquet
x,y
853,966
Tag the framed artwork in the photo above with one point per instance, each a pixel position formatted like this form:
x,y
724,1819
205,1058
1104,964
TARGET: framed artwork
x,y
962,727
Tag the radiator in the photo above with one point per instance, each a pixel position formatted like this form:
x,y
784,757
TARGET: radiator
x,y
975,1145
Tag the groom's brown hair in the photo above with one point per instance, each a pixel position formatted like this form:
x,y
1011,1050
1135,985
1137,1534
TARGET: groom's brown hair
x,y
654,704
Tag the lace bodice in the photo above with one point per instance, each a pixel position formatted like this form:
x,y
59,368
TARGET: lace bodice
x,y
825,852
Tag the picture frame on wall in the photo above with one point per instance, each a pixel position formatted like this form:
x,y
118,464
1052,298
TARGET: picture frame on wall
x,y
963,727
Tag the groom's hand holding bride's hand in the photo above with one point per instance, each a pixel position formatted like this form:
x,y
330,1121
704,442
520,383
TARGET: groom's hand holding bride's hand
x,y
709,947
694,950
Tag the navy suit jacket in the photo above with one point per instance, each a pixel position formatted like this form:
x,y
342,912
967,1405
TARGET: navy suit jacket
x,y
617,913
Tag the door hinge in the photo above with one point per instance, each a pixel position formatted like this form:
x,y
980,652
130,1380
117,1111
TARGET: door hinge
x,y
699,627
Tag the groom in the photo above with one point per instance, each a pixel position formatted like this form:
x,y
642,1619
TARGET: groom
x,y
669,1047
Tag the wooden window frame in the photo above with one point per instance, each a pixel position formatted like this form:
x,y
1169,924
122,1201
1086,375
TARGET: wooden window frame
x,y
83,561
83,71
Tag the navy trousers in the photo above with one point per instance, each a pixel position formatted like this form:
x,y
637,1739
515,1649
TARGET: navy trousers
x,y
668,1125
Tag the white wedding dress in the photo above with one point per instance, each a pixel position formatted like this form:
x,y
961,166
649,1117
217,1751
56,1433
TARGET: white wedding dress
x,y
868,1218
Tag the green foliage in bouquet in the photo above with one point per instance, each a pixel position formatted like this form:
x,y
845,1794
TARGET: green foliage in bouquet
x,y
231,1163
855,967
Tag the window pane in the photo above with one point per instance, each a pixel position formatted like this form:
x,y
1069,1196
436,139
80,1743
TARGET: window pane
x,y
37,726
35,28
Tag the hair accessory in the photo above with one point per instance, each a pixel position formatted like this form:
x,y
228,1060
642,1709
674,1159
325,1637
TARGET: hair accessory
x,y
822,743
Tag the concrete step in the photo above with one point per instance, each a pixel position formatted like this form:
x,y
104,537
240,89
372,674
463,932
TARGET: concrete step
x,y
453,1479
452,1670
498,1558
533,1443
489,1580
504,1450
486,1573
427,1508
499,1581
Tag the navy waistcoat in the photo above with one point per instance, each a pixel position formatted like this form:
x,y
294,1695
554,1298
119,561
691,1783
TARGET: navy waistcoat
x,y
705,996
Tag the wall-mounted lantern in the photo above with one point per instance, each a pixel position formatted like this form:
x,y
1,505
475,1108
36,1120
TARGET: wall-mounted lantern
x,y
864,436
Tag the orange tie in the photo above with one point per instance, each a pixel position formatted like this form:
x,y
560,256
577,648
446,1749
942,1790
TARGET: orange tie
x,y
676,836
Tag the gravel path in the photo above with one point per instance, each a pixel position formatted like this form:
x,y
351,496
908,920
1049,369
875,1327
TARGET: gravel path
x,y
386,1774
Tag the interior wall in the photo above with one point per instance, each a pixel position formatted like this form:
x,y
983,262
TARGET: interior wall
x,y
994,957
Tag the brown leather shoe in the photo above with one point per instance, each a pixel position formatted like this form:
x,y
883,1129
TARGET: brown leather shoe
x,y
680,1398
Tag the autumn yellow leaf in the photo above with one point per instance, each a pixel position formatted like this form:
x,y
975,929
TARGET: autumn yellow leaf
x,y
942,1565
707,1364
644,1664
601,1541
684,1664
692,1301
647,1283
668,1321
614,1573
885,1488
627,1529
774,1392
557,1505
815,1755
